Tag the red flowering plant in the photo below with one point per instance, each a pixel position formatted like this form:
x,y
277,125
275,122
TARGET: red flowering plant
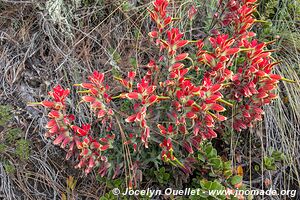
x,y
172,110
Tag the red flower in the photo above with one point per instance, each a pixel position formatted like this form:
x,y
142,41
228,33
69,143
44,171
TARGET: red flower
x,y
59,94
237,68
174,41
192,12
83,131
153,34
159,14
97,78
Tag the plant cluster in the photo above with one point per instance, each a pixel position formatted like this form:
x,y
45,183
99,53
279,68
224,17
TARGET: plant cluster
x,y
12,145
192,91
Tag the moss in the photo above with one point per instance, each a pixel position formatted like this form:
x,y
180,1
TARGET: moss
x,y
9,168
2,148
22,149
5,114
13,134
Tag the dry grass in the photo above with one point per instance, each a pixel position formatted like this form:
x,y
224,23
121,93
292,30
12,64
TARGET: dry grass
x,y
280,130
45,43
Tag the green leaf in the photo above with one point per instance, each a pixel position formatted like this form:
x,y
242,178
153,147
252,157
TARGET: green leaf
x,y
278,156
236,179
227,165
269,163
228,173
216,163
201,158
166,176
212,174
210,151
256,168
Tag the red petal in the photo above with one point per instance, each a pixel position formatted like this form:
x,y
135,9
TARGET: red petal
x,y
110,112
153,15
51,123
104,147
131,75
54,114
101,113
179,94
262,95
132,95
98,76
85,152
221,117
86,141
167,21
162,129
82,132
170,128
191,115
71,117
96,104
95,145
176,66
88,99
59,139
54,130
78,144
188,147
217,107
181,56
153,34
275,76
48,104
246,114
268,87
146,133
272,96
150,89
111,137
208,58
215,88
131,118
209,121
152,99
104,140
87,85
258,110
231,51
182,43
65,142
91,163
260,73
86,127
